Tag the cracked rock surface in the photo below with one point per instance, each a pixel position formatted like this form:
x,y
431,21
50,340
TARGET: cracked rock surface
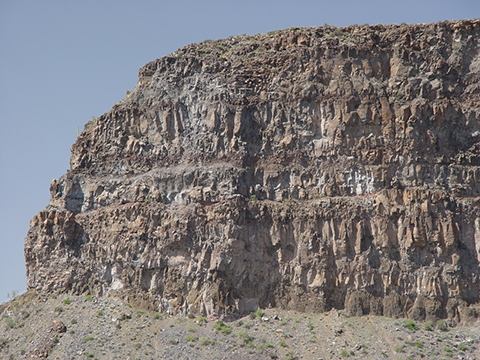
x,y
308,169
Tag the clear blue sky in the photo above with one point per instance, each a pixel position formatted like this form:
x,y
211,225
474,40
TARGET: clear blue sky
x,y
63,62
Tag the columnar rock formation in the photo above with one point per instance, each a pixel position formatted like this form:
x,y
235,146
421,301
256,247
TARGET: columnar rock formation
x,y
308,169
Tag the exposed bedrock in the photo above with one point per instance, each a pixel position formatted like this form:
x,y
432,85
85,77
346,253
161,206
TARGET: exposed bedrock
x,y
306,169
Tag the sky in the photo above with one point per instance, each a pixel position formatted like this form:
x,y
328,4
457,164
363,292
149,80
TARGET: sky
x,y
64,62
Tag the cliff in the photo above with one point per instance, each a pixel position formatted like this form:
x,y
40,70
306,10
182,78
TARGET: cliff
x,y
306,169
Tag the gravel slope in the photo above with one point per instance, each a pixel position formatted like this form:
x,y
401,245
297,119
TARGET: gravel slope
x,y
34,326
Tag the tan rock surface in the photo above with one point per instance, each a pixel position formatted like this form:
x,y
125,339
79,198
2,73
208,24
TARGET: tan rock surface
x,y
305,169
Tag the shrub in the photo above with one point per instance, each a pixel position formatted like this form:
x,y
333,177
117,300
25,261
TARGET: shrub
x,y
89,298
310,325
344,353
190,338
410,324
428,326
218,325
191,329
67,301
99,313
157,316
9,322
245,336
191,316
399,348
462,347
74,321
419,343
226,330
289,355
202,320
58,309
173,341
255,314
87,338
441,325
204,341
282,343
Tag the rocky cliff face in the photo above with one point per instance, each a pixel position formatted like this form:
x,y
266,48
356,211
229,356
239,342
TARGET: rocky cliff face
x,y
307,169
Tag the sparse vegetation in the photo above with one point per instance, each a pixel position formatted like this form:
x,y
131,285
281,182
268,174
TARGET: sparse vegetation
x,y
202,320
225,330
428,326
310,326
410,324
256,314
298,334
219,325
9,322
441,325
419,343
204,341
344,353
448,351
222,327
190,338
87,338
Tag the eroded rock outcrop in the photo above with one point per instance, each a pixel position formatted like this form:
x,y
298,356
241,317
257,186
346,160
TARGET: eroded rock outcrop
x,y
310,169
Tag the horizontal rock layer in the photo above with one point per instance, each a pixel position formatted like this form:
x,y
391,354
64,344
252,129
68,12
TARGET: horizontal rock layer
x,y
311,169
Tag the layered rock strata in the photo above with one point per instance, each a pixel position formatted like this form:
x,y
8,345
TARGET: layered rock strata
x,y
308,169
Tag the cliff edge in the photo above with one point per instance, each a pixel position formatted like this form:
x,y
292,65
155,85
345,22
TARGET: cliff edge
x,y
305,169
